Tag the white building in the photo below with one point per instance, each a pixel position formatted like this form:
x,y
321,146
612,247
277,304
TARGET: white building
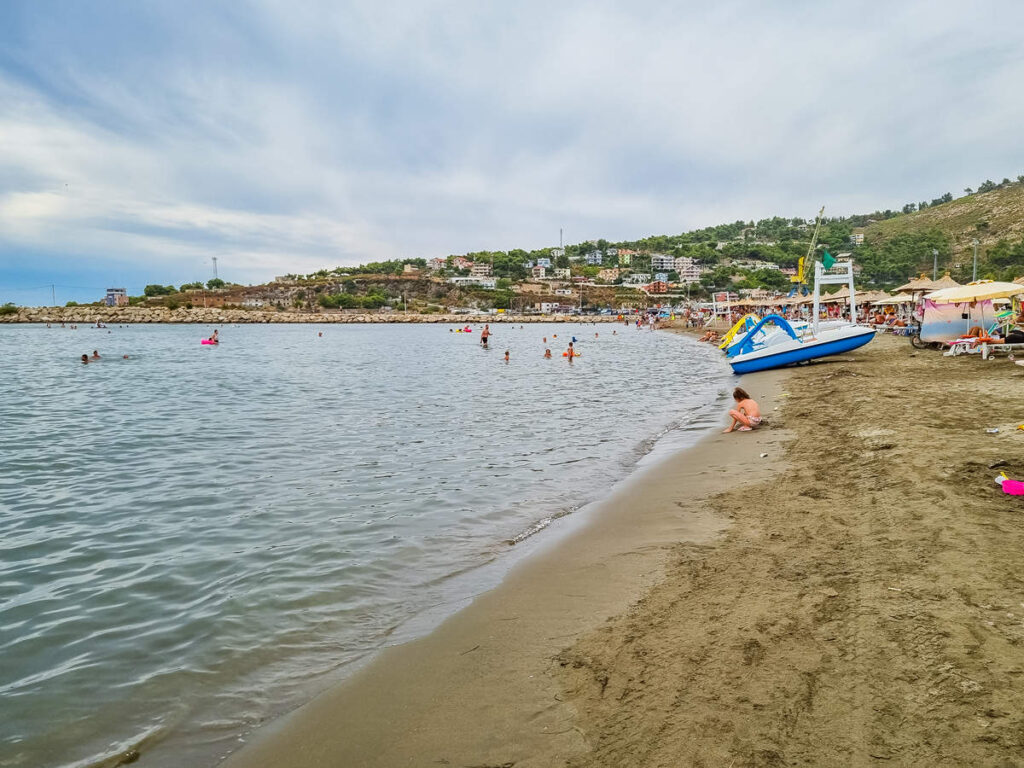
x,y
544,263
661,277
254,303
481,269
540,271
857,238
563,273
556,252
689,270
482,282
637,278
662,263
563,291
612,251
755,265
595,259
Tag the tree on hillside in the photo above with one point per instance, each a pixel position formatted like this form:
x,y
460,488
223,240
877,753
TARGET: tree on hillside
x,y
987,186
909,208
968,190
214,282
159,290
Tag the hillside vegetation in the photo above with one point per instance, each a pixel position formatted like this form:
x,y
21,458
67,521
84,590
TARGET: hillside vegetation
x,y
995,218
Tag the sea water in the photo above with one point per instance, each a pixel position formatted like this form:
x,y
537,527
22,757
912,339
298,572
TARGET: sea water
x,y
197,538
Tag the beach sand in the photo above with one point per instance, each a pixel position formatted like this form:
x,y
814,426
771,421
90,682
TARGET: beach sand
x,y
854,598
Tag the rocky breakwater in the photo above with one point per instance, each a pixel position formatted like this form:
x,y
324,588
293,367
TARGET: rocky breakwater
x,y
90,315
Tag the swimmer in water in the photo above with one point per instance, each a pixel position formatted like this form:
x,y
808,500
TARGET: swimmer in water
x,y
547,353
321,333
570,353
506,355
95,354
213,338
85,359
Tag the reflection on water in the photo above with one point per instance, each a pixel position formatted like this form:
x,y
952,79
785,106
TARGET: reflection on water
x,y
194,536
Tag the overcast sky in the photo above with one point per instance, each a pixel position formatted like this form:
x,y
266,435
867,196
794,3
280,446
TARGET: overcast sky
x,y
138,140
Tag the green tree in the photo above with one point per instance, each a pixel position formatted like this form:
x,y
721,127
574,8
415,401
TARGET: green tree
x,y
8,309
215,282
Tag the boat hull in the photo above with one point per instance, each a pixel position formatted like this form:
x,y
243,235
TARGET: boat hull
x,y
808,350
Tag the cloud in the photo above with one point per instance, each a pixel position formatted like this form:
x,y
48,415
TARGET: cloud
x,y
285,137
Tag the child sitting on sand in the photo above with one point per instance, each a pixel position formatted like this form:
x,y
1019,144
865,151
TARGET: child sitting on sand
x,y
746,415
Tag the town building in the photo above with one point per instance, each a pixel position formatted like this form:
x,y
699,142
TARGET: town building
x,y
543,262
540,271
556,252
689,270
661,277
410,269
637,278
611,251
563,291
626,256
857,238
754,265
437,264
662,263
460,262
116,297
658,286
608,275
563,273
481,269
481,282
595,259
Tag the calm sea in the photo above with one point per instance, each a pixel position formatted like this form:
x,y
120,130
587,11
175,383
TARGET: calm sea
x,y
197,538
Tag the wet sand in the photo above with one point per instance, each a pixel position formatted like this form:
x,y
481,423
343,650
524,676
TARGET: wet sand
x,y
855,600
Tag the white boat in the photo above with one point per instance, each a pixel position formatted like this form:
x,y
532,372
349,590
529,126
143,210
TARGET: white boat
x,y
774,342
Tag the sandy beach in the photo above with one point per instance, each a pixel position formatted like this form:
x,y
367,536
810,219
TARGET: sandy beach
x,y
849,599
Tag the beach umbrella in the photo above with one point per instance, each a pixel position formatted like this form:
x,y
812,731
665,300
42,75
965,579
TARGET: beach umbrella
x,y
945,282
899,298
981,290
922,283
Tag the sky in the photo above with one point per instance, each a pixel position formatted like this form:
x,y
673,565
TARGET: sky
x,y
138,140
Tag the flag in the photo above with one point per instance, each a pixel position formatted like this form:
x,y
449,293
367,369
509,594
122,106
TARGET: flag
x,y
828,261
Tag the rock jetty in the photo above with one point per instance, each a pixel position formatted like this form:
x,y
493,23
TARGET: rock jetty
x,y
86,315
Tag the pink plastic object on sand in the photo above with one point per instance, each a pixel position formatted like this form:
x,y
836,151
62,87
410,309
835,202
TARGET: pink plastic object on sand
x,y
1013,487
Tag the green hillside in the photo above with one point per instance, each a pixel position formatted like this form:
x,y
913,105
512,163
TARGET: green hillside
x,y
995,218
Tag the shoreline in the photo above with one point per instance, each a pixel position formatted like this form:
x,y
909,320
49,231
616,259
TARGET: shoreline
x,y
483,688
209,315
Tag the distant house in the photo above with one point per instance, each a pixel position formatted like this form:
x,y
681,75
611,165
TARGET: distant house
x,y
857,238
689,270
662,263
546,263
437,264
556,252
562,274
116,297
462,263
661,277
611,251
563,291
527,264
595,259
755,264
540,271
481,269
608,275
253,303
638,278
658,286
482,282
410,269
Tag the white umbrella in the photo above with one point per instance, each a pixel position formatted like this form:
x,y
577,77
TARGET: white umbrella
x,y
982,290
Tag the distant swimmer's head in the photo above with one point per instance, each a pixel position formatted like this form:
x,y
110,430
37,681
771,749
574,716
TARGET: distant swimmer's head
x,y
739,394
85,359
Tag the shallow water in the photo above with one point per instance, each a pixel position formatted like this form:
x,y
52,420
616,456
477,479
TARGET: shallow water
x,y
196,538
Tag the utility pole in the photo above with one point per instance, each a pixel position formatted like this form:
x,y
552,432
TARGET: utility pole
x,y
975,243
935,265
215,268
560,238
53,294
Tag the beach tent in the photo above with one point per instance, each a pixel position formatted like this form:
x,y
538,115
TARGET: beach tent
x,y
951,312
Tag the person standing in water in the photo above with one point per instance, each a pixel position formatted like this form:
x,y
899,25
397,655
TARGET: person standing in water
x,y
506,355
570,353
484,335
746,416
547,353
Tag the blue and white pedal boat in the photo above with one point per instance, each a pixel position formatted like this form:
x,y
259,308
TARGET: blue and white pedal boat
x,y
786,346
